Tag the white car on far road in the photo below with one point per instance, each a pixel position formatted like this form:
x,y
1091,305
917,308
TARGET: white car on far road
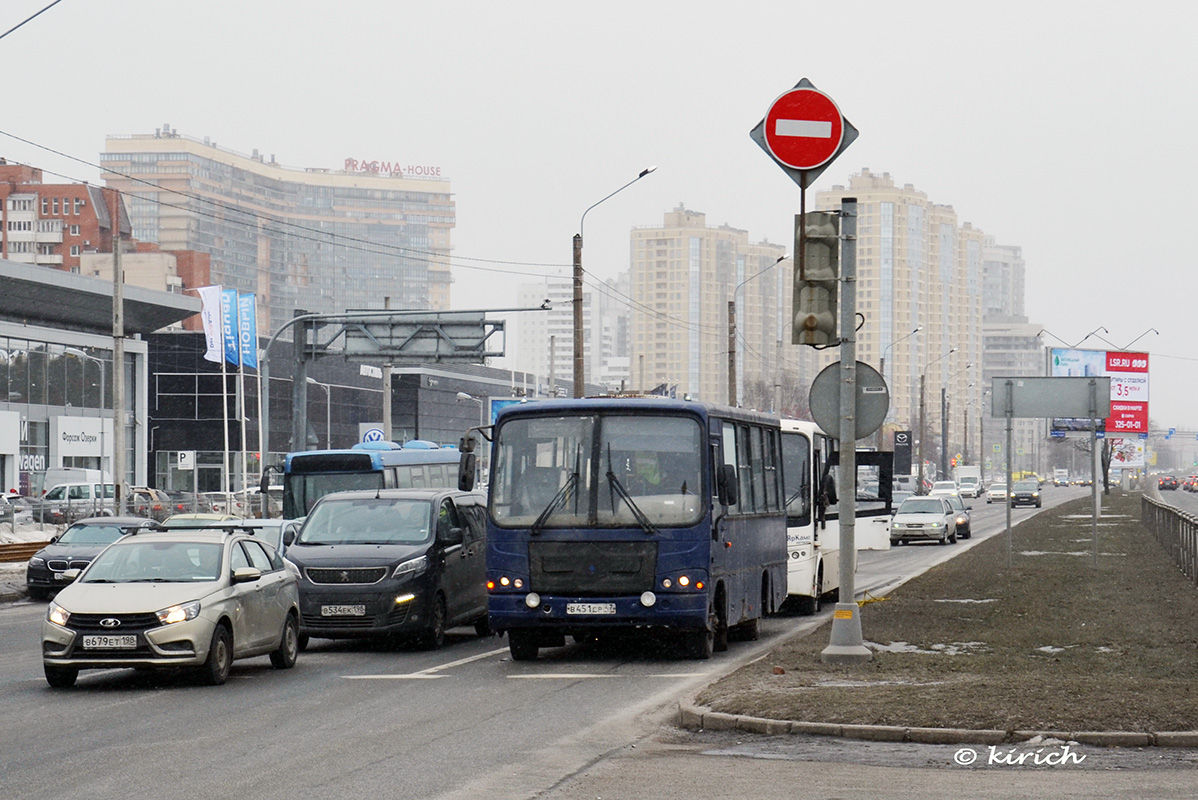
x,y
997,493
945,488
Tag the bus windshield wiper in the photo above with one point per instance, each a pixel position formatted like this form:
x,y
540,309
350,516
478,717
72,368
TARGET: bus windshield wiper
x,y
618,488
558,500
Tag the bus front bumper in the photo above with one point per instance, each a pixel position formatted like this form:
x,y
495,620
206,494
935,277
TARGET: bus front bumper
x,y
563,613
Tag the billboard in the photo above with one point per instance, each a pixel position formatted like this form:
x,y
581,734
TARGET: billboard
x,y
1129,387
1127,453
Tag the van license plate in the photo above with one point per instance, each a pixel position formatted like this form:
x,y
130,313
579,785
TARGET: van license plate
x,y
110,642
343,611
590,608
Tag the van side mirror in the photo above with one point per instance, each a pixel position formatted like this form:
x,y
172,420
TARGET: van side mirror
x,y
289,535
452,537
726,485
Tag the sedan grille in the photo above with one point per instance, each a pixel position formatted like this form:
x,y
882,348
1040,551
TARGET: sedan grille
x,y
342,576
62,564
113,623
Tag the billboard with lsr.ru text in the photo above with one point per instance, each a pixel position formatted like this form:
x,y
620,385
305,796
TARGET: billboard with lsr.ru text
x,y
1129,387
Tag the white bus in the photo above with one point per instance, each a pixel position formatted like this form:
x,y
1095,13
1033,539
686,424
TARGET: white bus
x,y
812,523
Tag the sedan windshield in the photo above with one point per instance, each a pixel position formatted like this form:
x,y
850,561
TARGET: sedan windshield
x,y
91,535
148,561
921,505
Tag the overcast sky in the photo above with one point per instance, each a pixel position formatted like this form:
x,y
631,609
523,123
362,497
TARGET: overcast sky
x,y
1063,128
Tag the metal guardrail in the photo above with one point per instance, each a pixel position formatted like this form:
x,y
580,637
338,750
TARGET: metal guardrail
x,y
1176,531
19,551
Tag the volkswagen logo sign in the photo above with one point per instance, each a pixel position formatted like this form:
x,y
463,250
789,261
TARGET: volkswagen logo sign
x,y
110,622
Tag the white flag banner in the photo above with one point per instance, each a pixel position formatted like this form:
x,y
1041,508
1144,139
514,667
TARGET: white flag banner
x,y
210,315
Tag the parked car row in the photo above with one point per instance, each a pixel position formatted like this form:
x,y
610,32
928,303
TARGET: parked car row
x,y
197,591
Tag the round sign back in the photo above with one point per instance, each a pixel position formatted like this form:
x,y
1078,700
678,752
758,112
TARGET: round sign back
x,y
873,400
804,128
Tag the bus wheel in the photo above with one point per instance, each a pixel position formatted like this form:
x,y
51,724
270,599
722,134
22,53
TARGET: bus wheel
x,y
523,645
810,605
700,644
719,623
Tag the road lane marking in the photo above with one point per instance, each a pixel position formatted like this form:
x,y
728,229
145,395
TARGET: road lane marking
x,y
426,674
587,675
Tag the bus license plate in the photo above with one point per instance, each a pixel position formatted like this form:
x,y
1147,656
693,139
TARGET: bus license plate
x,y
110,642
343,611
590,608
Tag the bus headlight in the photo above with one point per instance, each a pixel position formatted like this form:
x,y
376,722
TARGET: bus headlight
x,y
648,599
532,599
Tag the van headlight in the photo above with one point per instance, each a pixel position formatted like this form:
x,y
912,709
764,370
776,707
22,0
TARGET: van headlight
x,y
412,566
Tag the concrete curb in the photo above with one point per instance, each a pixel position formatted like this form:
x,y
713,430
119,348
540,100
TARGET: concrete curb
x,y
692,717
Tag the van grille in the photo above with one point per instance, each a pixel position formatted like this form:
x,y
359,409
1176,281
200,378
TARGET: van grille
x,y
342,576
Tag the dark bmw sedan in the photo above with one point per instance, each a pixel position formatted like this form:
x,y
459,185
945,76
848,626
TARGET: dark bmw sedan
x,y
392,563
75,549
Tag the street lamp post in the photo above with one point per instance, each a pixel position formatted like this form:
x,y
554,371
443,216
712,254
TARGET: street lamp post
x,y
922,412
882,372
733,389
944,419
77,353
328,412
579,361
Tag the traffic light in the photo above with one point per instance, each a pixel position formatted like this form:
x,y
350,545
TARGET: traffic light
x,y
816,274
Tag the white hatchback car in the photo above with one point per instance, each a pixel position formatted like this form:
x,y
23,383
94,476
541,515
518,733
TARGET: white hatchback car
x,y
170,599
997,493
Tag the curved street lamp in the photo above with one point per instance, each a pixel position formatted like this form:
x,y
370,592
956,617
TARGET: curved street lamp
x,y
944,419
579,361
733,387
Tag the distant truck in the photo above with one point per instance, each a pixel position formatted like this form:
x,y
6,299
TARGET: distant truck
x,y
969,481
1060,477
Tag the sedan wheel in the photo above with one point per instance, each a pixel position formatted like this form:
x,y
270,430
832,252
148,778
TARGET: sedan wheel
x,y
220,658
284,657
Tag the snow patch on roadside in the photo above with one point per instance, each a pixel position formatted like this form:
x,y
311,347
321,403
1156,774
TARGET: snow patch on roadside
x,y
951,649
987,600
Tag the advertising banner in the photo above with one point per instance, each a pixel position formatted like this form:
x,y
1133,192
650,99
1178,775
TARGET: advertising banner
x,y
1129,387
228,325
210,318
247,327
1127,453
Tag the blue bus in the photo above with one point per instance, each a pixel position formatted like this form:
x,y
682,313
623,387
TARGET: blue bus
x,y
311,474
633,513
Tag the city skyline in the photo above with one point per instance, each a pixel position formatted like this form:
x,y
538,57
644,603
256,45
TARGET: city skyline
x,y
1045,131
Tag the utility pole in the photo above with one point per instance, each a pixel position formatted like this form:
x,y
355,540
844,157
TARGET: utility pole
x,y
732,352
387,436
922,430
118,362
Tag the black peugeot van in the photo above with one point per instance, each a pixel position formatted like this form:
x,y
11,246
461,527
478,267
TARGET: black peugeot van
x,y
392,563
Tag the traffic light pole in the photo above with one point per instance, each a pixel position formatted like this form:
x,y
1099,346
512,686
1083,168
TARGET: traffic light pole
x,y
847,645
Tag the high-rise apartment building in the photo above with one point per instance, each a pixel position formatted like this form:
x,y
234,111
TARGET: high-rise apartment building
x,y
917,267
683,276
320,239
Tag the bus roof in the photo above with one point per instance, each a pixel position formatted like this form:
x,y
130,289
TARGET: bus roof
x,y
646,404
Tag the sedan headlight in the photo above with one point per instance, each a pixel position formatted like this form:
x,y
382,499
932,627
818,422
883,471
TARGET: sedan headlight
x,y
37,561
57,615
179,613
412,567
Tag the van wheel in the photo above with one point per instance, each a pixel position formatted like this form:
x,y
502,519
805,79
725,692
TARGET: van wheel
x,y
433,637
482,627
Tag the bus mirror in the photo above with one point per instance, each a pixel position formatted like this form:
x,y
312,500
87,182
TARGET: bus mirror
x,y
726,485
466,468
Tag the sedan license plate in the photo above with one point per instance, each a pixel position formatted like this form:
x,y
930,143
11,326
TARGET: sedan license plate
x,y
590,608
343,611
110,642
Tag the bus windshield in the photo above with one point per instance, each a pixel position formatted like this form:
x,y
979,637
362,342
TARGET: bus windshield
x,y
304,489
598,470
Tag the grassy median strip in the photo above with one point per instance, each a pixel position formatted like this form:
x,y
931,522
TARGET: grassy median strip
x,y
1047,643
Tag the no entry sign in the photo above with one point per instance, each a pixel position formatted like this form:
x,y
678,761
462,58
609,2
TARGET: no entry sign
x,y
804,128
803,133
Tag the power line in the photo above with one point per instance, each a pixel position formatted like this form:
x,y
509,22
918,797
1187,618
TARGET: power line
x,y
28,19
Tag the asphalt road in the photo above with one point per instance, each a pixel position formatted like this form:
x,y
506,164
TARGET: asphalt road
x,y
464,722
